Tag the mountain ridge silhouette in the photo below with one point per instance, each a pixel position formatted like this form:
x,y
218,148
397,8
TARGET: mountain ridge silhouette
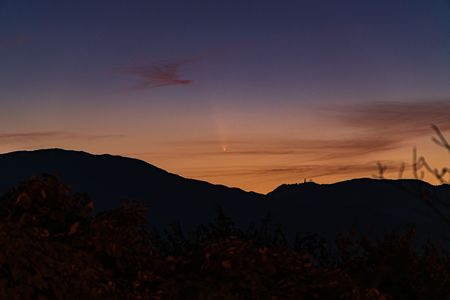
x,y
110,179
370,205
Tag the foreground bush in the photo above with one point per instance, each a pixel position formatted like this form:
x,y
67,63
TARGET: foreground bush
x,y
51,247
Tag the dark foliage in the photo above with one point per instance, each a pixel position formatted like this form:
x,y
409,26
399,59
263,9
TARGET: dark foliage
x,y
51,247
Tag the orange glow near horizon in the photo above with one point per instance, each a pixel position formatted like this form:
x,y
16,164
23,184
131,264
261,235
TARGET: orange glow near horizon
x,y
264,171
259,153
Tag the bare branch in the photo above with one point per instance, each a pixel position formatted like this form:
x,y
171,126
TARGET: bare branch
x,y
400,172
440,140
414,163
381,169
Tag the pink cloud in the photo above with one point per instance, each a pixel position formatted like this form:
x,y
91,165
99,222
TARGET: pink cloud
x,y
395,120
158,76
168,72
162,74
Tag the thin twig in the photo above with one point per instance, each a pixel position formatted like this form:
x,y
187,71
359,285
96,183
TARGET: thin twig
x,y
441,140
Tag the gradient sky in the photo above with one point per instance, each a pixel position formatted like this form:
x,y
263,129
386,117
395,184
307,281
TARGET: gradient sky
x,y
244,93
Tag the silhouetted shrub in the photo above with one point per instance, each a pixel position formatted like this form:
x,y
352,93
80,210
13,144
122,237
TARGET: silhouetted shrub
x,y
51,247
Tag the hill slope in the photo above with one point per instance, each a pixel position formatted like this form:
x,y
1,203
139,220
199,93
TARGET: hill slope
x,y
111,179
372,206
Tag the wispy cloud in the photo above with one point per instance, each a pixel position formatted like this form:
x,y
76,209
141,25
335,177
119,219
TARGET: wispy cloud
x,y
158,76
161,74
319,149
165,73
29,135
395,120
284,173
24,137
323,149
376,127
322,170
343,148
219,152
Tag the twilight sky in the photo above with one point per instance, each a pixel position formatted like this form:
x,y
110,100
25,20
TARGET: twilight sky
x,y
244,93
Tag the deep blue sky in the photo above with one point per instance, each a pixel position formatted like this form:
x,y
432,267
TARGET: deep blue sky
x,y
260,70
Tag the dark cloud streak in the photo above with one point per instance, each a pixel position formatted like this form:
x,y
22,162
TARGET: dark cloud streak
x,y
158,76
165,73
301,171
322,149
21,137
396,120
161,74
